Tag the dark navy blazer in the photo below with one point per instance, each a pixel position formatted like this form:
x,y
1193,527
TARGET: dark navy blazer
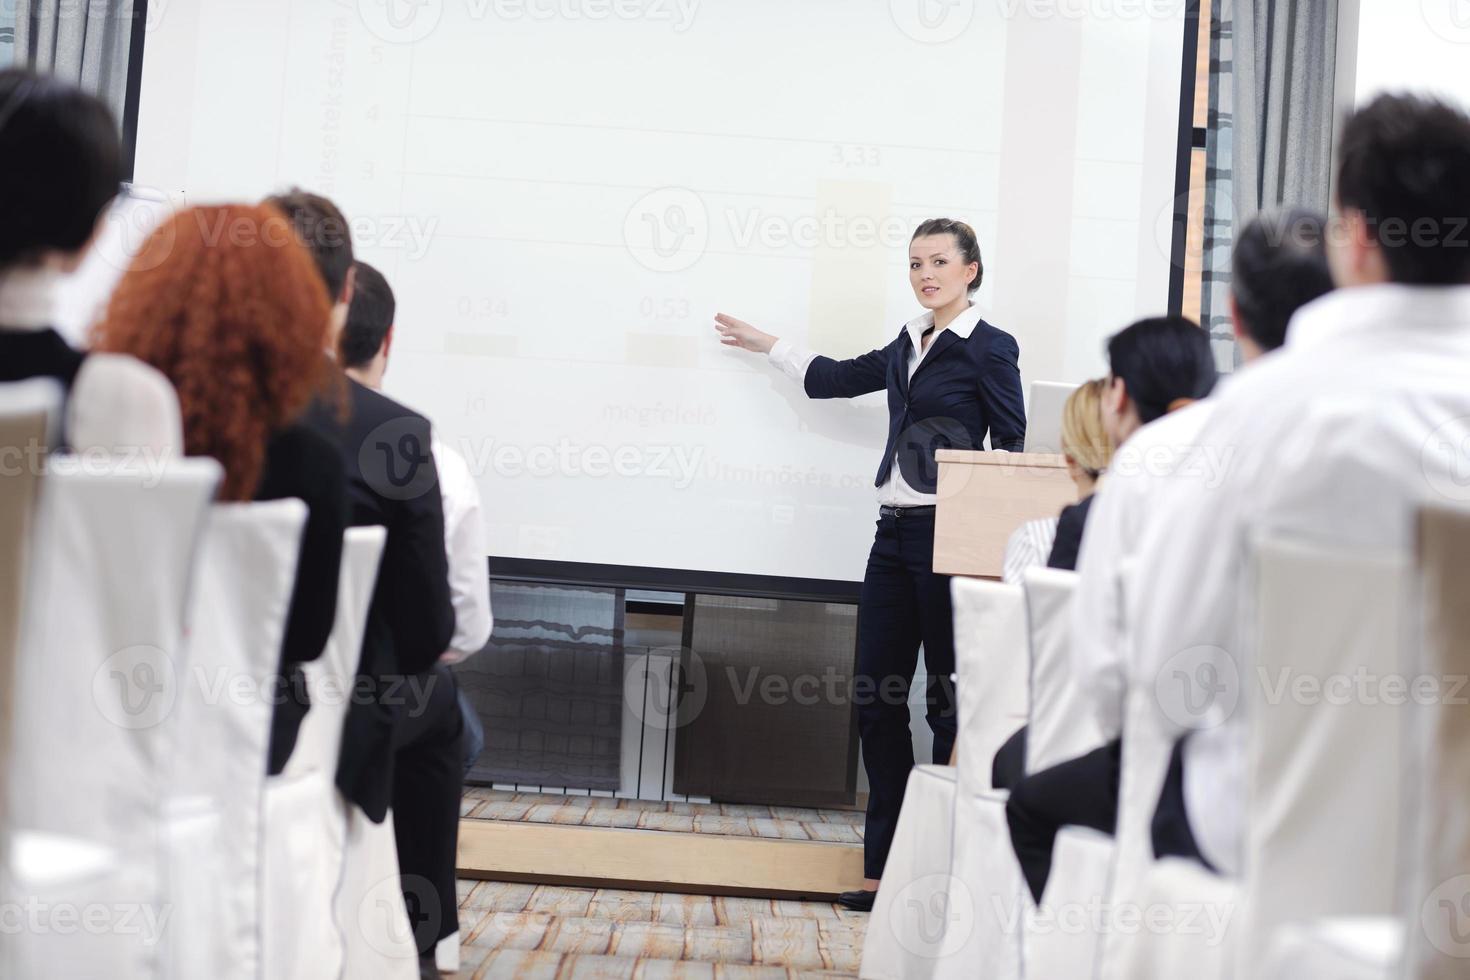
x,y
962,389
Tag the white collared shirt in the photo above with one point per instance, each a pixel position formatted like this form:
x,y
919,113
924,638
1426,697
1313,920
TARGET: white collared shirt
x,y
118,405
464,545
1162,452
793,362
1340,436
1029,546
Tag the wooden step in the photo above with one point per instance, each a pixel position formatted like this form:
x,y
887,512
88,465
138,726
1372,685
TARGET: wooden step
x,y
657,860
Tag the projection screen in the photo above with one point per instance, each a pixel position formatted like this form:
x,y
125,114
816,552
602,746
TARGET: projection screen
x,y
564,192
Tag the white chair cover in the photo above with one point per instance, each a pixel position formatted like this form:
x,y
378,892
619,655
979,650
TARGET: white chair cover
x,y
1321,834
98,676
27,411
913,923
990,673
379,941
991,669
1325,613
305,816
1437,840
237,619
1338,949
1191,937
1062,727
1428,939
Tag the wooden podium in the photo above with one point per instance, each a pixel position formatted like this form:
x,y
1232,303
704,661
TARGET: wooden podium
x,y
984,497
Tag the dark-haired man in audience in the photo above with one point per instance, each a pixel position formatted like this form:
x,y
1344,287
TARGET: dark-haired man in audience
x,y
1279,265
366,341
1362,416
401,743
1156,368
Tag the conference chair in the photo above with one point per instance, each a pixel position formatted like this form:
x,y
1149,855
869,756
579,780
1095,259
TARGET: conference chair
x,y
112,555
370,909
1062,727
27,412
924,920
237,618
305,815
1323,770
907,928
985,884
1427,938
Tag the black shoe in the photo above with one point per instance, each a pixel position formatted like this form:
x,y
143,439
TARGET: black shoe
x,y
859,901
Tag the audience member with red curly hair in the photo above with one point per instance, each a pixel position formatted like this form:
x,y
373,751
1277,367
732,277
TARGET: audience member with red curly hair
x,y
229,306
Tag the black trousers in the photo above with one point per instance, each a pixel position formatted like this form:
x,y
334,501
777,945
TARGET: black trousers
x,y
1079,792
428,774
1009,765
1172,836
903,604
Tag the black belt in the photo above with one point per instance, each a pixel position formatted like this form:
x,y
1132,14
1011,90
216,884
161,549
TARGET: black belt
x,y
925,511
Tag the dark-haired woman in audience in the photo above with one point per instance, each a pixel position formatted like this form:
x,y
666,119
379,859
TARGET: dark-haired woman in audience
x,y
59,166
230,307
1053,541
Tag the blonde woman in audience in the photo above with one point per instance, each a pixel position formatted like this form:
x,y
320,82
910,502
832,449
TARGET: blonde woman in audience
x,y
1053,541
228,305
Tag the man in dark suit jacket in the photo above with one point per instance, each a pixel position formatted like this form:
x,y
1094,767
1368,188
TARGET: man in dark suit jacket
x,y
401,743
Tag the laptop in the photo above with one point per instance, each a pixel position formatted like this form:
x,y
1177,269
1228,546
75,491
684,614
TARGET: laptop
x,y
1044,416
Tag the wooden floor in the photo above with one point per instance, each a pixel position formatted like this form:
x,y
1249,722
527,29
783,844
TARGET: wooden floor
x,y
531,932
532,929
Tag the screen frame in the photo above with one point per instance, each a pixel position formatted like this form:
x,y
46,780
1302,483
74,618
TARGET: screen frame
x,y
733,583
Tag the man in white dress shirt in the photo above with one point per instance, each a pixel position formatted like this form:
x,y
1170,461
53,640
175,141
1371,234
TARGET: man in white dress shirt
x,y
1363,415
1279,264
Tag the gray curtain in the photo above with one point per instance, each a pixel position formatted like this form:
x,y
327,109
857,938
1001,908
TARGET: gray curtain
x,y
82,41
1284,71
1219,191
7,35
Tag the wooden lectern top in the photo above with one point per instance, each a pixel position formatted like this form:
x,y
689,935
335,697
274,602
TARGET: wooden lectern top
x,y
984,497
